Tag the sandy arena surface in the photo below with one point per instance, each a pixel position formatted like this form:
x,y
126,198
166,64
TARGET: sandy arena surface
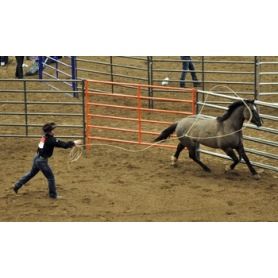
x,y
115,185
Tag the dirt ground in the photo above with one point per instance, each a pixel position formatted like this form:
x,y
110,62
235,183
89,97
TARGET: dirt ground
x,y
108,184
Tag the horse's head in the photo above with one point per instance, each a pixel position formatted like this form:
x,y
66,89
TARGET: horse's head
x,y
256,119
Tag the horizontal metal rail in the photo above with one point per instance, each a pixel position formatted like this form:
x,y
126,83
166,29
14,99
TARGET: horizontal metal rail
x,y
96,100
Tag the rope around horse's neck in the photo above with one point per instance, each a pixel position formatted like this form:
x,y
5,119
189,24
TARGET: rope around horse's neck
x,y
218,136
75,154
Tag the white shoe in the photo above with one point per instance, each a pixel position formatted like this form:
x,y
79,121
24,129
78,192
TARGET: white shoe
x,y
57,197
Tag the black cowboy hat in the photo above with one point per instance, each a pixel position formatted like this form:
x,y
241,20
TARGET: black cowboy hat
x,y
48,127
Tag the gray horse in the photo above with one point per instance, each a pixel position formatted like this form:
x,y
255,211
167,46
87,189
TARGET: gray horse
x,y
224,133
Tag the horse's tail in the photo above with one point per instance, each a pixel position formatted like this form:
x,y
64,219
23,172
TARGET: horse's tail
x,y
166,133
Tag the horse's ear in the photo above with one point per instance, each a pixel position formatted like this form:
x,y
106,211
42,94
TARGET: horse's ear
x,y
248,100
252,101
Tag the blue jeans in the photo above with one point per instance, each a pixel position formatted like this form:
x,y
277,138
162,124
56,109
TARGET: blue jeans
x,y
40,164
187,65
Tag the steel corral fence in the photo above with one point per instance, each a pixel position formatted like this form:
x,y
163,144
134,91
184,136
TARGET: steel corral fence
x,y
28,103
115,109
254,77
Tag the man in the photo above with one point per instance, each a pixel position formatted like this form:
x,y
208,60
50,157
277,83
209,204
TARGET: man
x,y
187,64
40,162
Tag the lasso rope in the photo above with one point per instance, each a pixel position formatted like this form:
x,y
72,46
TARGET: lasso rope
x,y
77,151
218,136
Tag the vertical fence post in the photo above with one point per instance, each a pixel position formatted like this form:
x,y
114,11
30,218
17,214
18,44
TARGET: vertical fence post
x,y
73,75
83,111
111,73
203,72
25,109
87,129
150,79
41,59
195,100
139,115
257,77
56,66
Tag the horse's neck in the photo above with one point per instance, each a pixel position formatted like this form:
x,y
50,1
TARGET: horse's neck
x,y
236,120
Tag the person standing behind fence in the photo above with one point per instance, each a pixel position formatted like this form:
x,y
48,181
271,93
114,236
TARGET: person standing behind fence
x,y
40,161
46,59
19,67
187,64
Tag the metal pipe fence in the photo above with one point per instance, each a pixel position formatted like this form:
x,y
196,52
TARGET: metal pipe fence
x,y
27,104
249,76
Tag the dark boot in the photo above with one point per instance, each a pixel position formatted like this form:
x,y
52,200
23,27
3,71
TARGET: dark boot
x,y
196,83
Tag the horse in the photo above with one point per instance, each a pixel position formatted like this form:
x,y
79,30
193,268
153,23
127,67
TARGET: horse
x,y
224,132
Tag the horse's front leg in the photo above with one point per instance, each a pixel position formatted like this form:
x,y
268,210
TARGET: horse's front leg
x,y
242,153
175,157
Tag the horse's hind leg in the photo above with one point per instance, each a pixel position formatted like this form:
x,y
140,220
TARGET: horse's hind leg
x,y
232,155
175,157
192,155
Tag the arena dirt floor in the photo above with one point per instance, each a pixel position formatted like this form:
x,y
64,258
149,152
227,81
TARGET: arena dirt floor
x,y
112,185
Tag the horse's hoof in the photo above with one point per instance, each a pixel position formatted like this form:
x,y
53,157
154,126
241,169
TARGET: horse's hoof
x,y
257,176
207,169
174,162
227,169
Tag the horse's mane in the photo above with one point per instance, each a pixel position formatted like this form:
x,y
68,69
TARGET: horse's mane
x,y
231,109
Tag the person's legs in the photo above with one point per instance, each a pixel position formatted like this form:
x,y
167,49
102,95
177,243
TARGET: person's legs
x,y
43,165
185,67
27,176
196,82
192,71
19,69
